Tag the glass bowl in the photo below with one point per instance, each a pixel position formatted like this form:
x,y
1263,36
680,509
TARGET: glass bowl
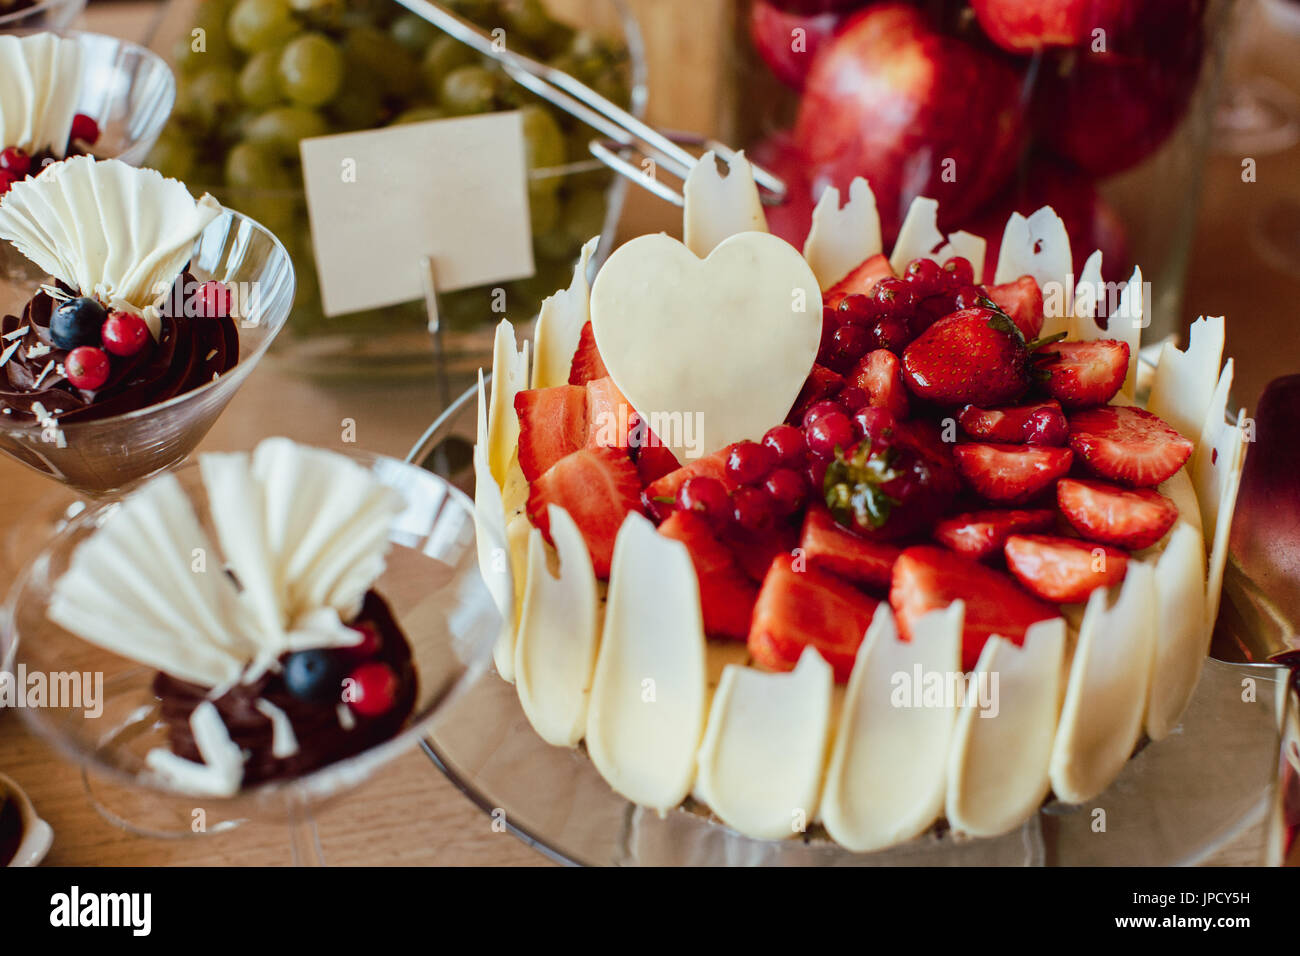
x,y
1176,802
431,582
42,15
107,456
128,91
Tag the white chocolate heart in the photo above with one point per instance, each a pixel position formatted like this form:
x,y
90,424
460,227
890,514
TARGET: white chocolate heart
x,y
708,351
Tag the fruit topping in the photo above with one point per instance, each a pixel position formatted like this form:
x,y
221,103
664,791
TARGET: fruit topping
x,y
374,688
1023,301
706,497
1127,445
84,130
1011,474
749,462
6,180
788,490
1042,423
861,281
927,578
752,509
313,675
1086,373
727,595
587,363
370,644
609,414
77,322
981,534
598,487
124,333
664,490
87,367
797,608
214,300
1132,518
1064,570
15,162
552,424
655,461
822,383
880,376
788,444
829,433
829,546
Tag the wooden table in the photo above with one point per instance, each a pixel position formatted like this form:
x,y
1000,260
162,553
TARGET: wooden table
x,y
410,814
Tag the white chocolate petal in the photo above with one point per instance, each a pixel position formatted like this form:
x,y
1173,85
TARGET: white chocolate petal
x,y
647,708
719,207
1039,246
1182,637
1087,296
919,238
1179,489
490,540
1184,381
559,325
509,376
841,239
40,79
760,765
997,775
1216,436
222,770
1217,467
886,779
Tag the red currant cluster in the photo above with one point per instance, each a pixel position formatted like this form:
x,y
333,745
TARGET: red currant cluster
x,y
896,311
771,481
16,164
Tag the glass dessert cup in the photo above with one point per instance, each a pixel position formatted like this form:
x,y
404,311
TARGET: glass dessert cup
x,y
437,597
53,15
104,458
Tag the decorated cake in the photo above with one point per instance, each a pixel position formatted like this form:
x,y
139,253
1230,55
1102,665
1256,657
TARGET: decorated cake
x,y
122,324
274,654
843,540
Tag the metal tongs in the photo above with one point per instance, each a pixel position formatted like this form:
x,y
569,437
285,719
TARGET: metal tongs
x,y
626,137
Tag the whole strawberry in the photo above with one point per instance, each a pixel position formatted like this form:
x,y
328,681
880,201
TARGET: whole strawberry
x,y
977,356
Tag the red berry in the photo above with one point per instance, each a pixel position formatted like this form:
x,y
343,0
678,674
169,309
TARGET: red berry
x,y
855,309
706,496
925,276
15,162
816,474
6,180
748,462
848,344
891,332
818,410
84,129
894,296
752,509
787,441
369,646
959,272
86,367
787,489
213,300
872,422
968,297
1046,426
124,333
374,689
851,398
831,431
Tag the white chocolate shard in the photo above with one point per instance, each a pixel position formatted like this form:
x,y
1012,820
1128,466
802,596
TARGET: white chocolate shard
x,y
717,206
1216,468
509,376
646,714
491,542
886,779
1039,246
555,652
761,762
1182,637
919,238
40,79
1087,296
560,322
1125,320
107,229
1178,488
1105,698
842,238
1184,381
998,769
222,770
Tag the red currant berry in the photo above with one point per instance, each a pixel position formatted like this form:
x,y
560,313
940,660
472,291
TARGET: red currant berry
x,y
855,308
816,473
213,300
124,333
6,180
848,344
924,276
84,129
788,444
787,489
705,496
15,162
748,462
891,332
374,689
967,297
86,367
817,410
833,430
959,272
894,297
851,398
369,645
872,423
752,509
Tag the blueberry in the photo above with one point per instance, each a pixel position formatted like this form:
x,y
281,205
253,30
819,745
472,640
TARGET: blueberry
x,y
77,322
313,675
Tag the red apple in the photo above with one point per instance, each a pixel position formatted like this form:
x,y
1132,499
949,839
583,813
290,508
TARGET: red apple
x,y
792,219
788,52
916,112
1045,181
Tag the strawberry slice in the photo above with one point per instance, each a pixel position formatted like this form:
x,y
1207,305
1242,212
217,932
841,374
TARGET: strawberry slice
x,y
879,374
727,596
798,608
927,578
754,550
1128,445
598,487
1042,423
609,415
552,423
1064,570
1087,373
832,547
858,282
664,490
1010,474
1132,518
821,383
655,461
1023,301
587,363
981,534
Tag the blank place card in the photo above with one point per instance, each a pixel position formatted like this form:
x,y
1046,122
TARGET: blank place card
x,y
382,200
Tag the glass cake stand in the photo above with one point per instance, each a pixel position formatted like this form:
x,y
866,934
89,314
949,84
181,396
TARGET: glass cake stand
x,y
1176,803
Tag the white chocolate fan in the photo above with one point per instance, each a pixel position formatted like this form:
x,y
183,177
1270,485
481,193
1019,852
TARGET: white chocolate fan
x,y
40,75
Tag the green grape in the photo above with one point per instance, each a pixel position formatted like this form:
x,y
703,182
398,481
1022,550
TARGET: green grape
x,y
444,55
359,104
584,211
279,130
260,24
234,127
528,19
543,209
468,89
543,139
419,114
259,80
208,41
208,96
414,33
311,69
173,156
250,166
383,56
